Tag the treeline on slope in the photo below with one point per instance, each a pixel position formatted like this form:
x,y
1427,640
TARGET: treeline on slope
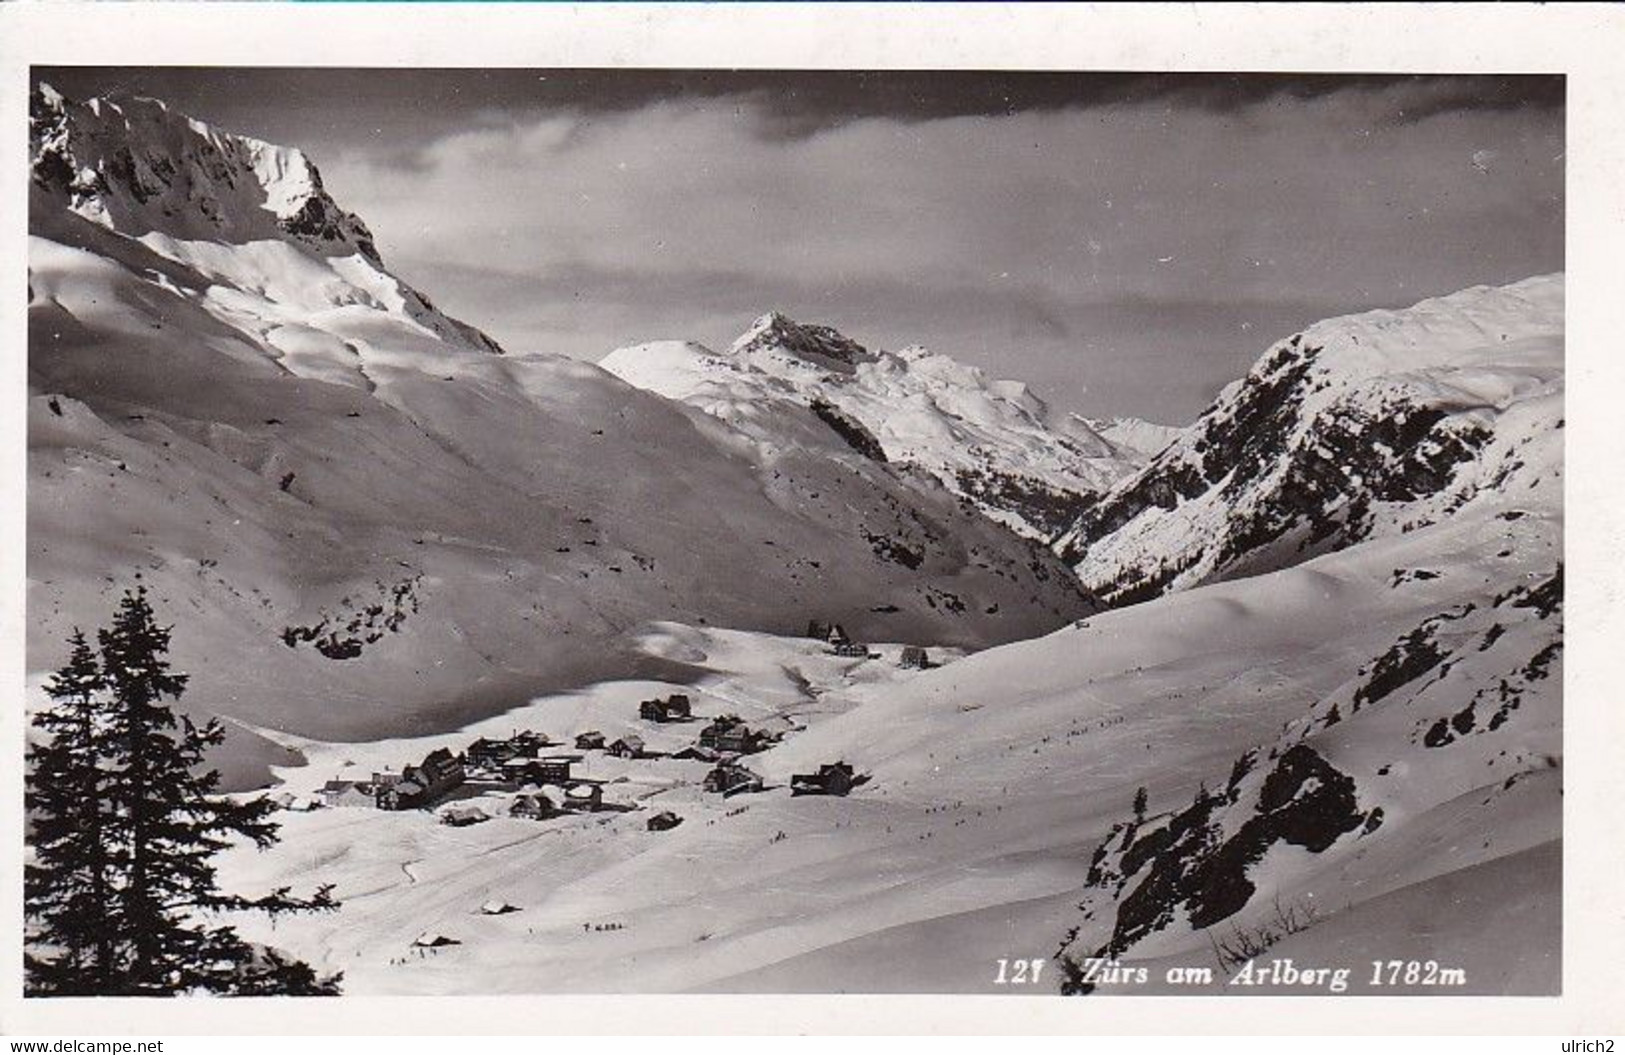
x,y
849,429
1048,508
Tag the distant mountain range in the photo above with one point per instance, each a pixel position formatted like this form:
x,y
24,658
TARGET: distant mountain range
x,y
362,514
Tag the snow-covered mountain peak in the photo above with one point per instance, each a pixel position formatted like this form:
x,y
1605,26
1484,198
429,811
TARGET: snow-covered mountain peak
x,y
137,167
249,219
779,340
990,441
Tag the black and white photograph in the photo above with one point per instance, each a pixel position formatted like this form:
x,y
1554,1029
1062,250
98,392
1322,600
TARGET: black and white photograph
x,y
573,529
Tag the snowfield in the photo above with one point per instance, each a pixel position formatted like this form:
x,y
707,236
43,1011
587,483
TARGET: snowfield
x,y
994,779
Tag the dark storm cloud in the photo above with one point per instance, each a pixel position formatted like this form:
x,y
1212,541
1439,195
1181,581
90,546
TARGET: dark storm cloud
x,y
412,104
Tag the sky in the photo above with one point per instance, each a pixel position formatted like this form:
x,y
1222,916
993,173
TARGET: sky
x,y
1126,243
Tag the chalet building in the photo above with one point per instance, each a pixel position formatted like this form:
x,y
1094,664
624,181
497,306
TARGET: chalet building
x,y
696,753
719,725
529,743
534,806
440,772
741,740
489,754
836,779
549,769
515,773
730,735
664,821
850,649
674,708
914,658
818,629
486,753
584,797
403,794
728,779
346,793
837,635
419,786
629,746
463,816
590,741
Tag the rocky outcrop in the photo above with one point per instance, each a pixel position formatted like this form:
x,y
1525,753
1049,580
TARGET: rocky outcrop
x,y
1354,428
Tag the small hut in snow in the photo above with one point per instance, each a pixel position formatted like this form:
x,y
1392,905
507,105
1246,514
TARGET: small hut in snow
x,y
664,821
674,708
346,793
628,746
463,816
833,779
728,779
584,797
730,734
533,807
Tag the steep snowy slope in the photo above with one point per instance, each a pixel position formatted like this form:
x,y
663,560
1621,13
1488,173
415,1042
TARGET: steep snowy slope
x,y
363,518
992,442
1355,428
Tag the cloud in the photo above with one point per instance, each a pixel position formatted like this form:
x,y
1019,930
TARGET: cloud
x,y
1028,242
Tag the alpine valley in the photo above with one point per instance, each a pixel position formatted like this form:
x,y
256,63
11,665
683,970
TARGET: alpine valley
x,y
1277,684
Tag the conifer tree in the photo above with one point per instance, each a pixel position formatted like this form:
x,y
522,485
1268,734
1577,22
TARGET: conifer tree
x,y
160,823
67,888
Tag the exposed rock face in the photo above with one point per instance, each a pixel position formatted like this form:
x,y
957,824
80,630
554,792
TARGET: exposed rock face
x,y
1355,428
1395,741
823,346
136,167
